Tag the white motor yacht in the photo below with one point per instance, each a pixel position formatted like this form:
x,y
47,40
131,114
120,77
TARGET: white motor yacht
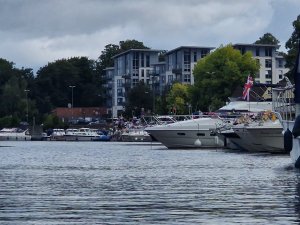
x,y
81,134
14,134
192,133
57,135
260,135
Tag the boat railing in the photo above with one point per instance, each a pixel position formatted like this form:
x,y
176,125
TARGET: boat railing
x,y
163,119
283,102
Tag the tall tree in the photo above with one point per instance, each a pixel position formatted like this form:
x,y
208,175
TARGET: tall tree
x,y
139,97
218,74
13,82
292,44
53,81
131,44
178,99
267,38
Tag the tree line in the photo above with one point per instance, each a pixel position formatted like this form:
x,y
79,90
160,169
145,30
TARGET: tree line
x,y
24,96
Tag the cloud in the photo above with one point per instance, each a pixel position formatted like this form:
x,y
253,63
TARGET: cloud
x,y
34,32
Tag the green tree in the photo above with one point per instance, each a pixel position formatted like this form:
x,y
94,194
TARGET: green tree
x,y
131,44
292,46
138,97
218,74
52,121
178,98
267,38
13,82
53,81
106,58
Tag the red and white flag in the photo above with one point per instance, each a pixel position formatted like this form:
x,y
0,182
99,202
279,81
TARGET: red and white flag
x,y
247,87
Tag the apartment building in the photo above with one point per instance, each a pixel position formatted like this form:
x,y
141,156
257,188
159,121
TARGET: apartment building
x,y
180,63
143,65
130,68
271,63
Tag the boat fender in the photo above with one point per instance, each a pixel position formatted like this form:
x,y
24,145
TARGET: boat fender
x,y
197,142
297,163
296,128
288,141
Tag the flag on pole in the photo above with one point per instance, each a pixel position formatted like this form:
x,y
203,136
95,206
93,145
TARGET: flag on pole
x,y
247,87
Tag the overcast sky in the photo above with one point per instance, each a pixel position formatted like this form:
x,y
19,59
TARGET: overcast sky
x,y
35,32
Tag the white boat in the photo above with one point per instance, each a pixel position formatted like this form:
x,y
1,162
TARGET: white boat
x,y
286,102
201,132
14,134
246,107
81,134
135,135
261,134
192,133
57,135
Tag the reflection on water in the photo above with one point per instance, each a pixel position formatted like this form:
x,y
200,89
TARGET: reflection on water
x,y
119,183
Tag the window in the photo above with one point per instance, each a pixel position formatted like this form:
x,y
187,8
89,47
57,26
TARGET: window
x,y
195,56
135,82
268,63
135,60
120,92
187,78
147,60
142,73
257,52
268,52
280,63
142,60
119,83
204,52
268,74
187,61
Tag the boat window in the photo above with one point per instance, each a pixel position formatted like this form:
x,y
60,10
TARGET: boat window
x,y
181,134
200,134
212,134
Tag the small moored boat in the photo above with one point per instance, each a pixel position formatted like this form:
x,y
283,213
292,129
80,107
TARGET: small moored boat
x,y
14,134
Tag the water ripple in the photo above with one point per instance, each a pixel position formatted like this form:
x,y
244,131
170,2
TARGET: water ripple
x,y
117,183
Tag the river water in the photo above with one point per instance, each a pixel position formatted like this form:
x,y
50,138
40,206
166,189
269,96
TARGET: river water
x,y
137,183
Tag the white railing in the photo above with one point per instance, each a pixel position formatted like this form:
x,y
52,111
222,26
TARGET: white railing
x,y
283,102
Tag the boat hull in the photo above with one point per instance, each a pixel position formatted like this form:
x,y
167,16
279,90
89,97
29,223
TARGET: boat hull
x,y
80,138
15,138
187,138
136,138
260,139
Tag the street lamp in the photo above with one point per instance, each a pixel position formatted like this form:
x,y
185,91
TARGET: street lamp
x,y
72,87
26,91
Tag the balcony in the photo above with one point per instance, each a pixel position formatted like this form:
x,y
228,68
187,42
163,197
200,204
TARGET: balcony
x,y
177,71
126,76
